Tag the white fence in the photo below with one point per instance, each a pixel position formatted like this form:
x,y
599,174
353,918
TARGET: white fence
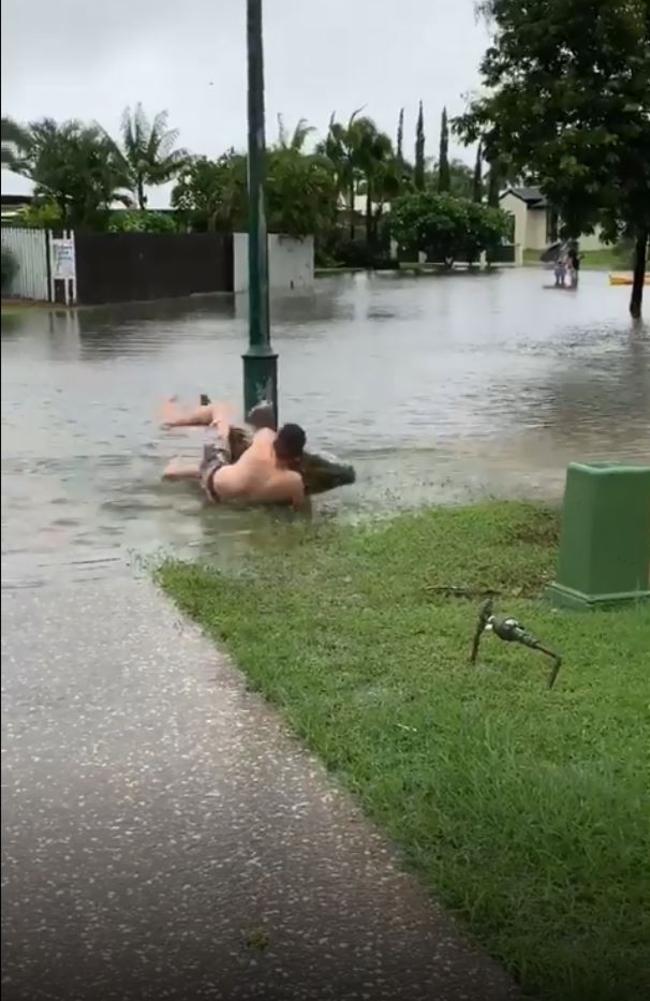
x,y
29,247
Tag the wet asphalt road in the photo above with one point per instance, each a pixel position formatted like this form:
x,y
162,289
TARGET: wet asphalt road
x,y
165,838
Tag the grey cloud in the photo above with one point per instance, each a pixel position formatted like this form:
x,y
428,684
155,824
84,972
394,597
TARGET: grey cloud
x,y
81,58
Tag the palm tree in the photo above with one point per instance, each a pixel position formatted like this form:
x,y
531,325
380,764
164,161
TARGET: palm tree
x,y
296,140
75,167
374,152
148,151
340,148
358,151
15,142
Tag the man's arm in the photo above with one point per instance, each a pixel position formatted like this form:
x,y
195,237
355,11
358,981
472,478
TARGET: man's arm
x,y
299,499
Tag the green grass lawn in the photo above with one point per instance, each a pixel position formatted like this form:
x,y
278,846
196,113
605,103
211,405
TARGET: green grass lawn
x,y
525,811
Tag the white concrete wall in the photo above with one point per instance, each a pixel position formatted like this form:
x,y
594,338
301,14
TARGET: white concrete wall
x,y
29,247
291,262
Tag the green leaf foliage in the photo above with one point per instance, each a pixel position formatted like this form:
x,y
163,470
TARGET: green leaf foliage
x,y
445,227
568,104
138,221
74,166
301,192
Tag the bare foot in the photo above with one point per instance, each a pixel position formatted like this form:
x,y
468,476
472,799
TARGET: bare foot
x,y
222,415
176,469
170,412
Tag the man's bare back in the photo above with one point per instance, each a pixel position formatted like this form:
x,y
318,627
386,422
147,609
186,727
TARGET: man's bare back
x,y
258,477
264,474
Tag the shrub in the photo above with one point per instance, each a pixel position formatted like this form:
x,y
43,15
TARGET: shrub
x,y
338,250
135,221
446,228
9,267
40,215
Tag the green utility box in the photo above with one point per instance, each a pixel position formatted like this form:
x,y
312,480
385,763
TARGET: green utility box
x,y
605,539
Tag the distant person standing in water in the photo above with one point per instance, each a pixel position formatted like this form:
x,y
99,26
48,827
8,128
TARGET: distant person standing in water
x,y
560,272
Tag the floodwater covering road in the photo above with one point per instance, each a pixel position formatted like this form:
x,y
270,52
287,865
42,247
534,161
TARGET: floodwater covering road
x,y
163,836
436,388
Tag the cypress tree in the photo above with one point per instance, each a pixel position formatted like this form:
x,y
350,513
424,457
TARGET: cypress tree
x,y
400,136
418,176
444,179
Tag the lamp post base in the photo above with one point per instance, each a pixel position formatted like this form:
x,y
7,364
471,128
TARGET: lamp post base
x,y
261,379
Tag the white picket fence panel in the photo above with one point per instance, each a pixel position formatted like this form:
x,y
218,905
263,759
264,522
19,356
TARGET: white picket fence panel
x,y
29,247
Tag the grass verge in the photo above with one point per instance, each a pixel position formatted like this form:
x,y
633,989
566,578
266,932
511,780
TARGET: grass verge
x,y
605,259
525,811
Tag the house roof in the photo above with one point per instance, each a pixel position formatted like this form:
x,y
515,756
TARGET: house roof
x,y
532,196
19,200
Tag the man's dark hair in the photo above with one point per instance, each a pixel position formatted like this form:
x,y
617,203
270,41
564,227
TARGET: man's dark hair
x,y
289,442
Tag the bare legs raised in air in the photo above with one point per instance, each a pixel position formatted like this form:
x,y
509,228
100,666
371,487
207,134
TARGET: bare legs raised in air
x,y
173,415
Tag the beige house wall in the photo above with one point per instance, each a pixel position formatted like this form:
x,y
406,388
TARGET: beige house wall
x,y
510,203
530,224
536,230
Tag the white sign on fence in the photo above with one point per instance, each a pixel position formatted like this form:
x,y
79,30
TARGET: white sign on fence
x,y
63,259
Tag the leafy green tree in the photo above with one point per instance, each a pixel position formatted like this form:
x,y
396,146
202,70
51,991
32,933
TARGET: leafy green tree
x,y
446,228
301,193
461,179
568,103
211,194
444,177
76,167
418,173
149,156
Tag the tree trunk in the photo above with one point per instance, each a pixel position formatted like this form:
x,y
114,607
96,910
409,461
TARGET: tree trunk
x,y
142,199
640,252
493,186
351,197
369,239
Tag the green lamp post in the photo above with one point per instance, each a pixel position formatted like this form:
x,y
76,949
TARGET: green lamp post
x,y
260,361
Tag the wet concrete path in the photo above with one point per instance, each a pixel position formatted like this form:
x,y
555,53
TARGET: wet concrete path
x,y
165,838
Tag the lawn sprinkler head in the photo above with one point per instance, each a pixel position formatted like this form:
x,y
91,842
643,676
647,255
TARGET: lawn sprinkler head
x,y
511,631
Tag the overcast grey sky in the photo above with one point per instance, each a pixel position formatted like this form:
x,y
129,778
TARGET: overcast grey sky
x,y
88,59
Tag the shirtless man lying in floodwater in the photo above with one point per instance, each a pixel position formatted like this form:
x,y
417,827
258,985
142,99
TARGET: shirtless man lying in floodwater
x,y
264,474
